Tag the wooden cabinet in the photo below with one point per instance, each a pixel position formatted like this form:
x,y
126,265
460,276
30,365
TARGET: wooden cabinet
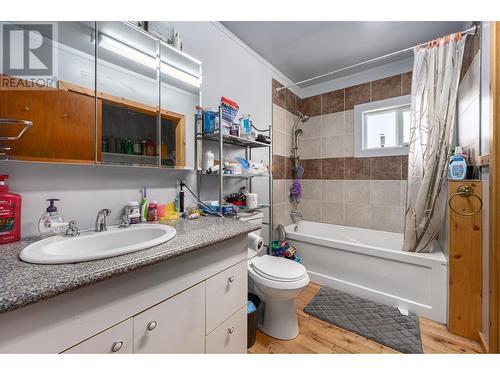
x,y
226,293
162,308
114,340
465,260
230,336
174,326
63,125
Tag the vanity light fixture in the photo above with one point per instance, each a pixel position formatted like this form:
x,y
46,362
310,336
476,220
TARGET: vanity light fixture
x,y
123,49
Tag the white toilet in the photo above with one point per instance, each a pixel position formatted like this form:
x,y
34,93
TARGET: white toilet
x,y
277,281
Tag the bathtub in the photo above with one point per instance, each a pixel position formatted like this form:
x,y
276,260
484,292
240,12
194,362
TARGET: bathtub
x,y
369,263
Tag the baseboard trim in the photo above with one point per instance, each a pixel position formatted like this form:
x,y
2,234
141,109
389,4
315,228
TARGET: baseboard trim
x,y
483,342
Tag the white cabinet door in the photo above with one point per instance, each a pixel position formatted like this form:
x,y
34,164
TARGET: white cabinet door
x,y
176,325
117,339
230,336
226,294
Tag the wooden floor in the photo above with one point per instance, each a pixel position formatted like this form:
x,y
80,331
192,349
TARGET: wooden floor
x,y
317,336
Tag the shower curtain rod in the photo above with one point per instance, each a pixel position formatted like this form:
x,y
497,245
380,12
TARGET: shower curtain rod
x,y
472,30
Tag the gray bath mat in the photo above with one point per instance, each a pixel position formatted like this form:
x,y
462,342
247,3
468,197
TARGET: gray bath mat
x,y
375,321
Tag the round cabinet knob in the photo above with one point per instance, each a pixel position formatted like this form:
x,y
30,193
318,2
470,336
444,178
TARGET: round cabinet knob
x,y
26,108
152,325
230,330
231,279
117,345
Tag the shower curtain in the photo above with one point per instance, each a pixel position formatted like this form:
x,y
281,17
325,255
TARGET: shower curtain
x,y
436,74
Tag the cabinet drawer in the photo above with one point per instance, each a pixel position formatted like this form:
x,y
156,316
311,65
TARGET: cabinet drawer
x,y
117,339
226,294
176,325
230,336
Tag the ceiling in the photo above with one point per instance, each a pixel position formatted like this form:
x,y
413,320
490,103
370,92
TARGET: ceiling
x,y
302,50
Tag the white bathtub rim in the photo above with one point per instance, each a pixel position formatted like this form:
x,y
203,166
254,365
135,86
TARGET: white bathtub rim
x,y
418,258
437,313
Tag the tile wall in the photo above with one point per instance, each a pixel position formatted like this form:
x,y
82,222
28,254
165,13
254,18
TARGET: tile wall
x,y
337,187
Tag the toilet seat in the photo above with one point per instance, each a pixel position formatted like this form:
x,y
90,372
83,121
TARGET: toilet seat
x,y
278,269
278,273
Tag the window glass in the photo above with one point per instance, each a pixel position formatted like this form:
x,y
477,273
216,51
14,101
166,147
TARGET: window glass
x,y
406,127
380,130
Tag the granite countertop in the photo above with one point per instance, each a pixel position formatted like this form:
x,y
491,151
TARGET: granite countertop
x,y
23,283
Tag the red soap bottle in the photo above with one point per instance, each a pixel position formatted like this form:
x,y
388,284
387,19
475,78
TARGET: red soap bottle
x,y
10,213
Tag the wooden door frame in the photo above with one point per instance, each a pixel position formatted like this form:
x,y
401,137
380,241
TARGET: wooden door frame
x,y
494,201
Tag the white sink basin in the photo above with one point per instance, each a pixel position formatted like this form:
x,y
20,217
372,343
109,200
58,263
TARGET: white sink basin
x,y
90,245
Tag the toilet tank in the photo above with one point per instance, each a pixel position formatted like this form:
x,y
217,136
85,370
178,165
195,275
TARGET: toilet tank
x,y
255,217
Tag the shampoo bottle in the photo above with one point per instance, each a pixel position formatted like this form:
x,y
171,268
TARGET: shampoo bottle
x,y
10,213
458,165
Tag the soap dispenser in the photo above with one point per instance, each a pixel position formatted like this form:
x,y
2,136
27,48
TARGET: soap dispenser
x,y
51,222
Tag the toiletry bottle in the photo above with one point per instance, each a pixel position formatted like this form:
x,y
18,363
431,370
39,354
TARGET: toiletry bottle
x,y
144,205
132,211
208,160
153,211
10,213
51,222
458,165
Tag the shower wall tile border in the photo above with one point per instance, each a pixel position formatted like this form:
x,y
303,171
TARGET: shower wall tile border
x,y
373,168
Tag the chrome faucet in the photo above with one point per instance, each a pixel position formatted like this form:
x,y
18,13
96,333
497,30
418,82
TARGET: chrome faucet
x,y
72,230
100,220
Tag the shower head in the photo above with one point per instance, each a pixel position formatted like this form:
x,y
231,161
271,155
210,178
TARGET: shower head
x,y
297,133
302,117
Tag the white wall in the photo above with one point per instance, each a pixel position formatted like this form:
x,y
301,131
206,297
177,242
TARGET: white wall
x,y
370,74
230,68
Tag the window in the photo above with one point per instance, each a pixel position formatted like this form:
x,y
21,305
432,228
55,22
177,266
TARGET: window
x,y
382,128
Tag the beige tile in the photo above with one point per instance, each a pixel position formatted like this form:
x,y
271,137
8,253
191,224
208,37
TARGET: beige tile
x,y
404,185
290,120
333,124
387,218
279,144
357,192
279,119
385,193
279,191
311,210
310,148
349,122
288,144
348,146
332,213
312,189
281,215
333,191
332,147
357,215
311,128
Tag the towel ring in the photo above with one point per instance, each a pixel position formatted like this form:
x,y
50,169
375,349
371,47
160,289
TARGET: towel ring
x,y
465,191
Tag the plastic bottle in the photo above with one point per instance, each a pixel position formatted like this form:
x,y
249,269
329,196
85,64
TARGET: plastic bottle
x,y
208,160
10,213
458,165
51,222
153,211
132,210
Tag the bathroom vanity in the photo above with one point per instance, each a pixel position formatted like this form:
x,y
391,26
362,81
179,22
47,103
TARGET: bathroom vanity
x,y
187,295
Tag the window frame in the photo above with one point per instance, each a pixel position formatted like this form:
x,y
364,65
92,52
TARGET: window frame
x,y
380,106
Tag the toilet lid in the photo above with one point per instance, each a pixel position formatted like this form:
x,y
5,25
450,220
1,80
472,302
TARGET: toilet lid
x,y
279,269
